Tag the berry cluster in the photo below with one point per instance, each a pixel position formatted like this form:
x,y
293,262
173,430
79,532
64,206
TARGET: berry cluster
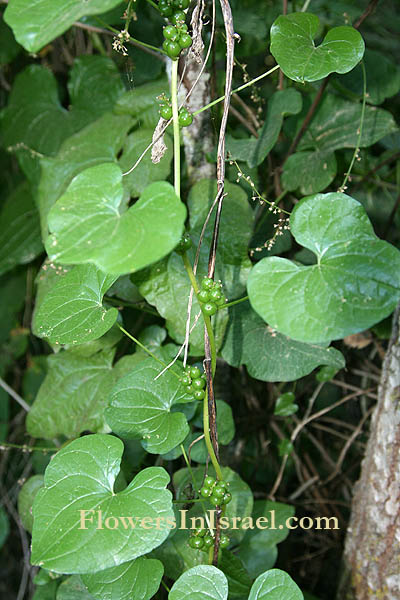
x,y
165,110
211,296
175,34
195,382
185,243
201,540
216,491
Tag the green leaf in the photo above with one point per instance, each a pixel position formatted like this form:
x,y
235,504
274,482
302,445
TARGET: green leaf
x,y
335,125
310,171
275,585
73,589
139,578
97,74
146,172
239,581
258,548
72,311
355,283
285,405
269,355
46,592
73,397
292,45
19,230
97,143
200,583
36,22
140,103
87,224
383,78
35,123
254,151
26,497
81,477
140,407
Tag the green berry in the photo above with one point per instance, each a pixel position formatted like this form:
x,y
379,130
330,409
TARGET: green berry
x,y
170,33
178,17
166,112
227,498
207,283
185,40
215,294
210,308
196,542
203,296
208,541
195,372
173,49
199,394
224,541
165,9
205,491
219,491
186,380
215,501
189,389
209,481
198,384
221,301
183,28
185,118
185,242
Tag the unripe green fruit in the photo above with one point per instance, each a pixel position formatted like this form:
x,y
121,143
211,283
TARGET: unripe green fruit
x,y
196,543
224,541
185,40
207,283
199,394
208,541
195,372
170,33
209,481
178,17
203,296
210,308
206,492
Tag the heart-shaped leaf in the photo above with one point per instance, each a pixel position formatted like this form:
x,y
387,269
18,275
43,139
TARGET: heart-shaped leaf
x,y
81,525
355,283
73,396
275,585
140,407
72,311
267,354
292,45
139,578
36,22
86,224
200,583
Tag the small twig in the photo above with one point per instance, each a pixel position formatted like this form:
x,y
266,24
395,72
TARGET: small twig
x,y
347,445
95,29
14,395
243,121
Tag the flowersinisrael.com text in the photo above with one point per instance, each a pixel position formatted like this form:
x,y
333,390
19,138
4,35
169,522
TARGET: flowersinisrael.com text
x,y
92,518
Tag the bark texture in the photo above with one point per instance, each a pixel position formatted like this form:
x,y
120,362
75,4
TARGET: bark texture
x,y
372,548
